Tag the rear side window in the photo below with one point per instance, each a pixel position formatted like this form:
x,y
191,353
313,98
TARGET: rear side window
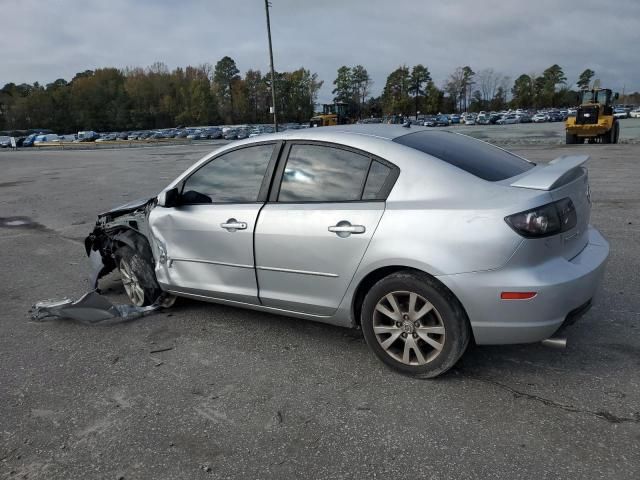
x,y
473,156
376,182
316,173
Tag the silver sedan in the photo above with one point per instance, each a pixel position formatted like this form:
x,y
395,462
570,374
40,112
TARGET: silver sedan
x,y
423,239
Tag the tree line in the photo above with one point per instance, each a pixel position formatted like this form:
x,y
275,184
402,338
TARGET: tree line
x,y
110,99
411,90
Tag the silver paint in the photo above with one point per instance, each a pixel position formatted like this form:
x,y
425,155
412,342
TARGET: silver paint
x,y
438,219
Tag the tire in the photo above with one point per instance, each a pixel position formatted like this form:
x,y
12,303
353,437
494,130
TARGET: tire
x,y
138,277
616,132
397,337
571,139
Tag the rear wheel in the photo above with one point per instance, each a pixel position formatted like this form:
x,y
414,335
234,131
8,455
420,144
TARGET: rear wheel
x,y
571,139
414,324
138,277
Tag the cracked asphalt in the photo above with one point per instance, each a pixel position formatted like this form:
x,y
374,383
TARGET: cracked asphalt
x,y
206,391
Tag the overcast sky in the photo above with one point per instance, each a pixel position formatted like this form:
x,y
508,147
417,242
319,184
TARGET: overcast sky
x,y
42,40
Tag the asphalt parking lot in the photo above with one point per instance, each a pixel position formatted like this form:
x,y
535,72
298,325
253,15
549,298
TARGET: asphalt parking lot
x,y
240,394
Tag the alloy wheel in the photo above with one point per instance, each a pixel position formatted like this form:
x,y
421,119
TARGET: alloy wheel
x,y
132,285
408,328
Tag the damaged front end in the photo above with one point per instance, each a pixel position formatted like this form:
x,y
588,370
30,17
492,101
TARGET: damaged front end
x,y
120,239
126,225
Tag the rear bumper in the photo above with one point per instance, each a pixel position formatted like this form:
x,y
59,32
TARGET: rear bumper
x,y
565,288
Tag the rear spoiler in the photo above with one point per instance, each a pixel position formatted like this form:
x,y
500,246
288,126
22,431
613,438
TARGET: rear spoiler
x,y
556,173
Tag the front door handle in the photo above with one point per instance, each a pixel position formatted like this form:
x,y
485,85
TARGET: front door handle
x,y
232,225
344,229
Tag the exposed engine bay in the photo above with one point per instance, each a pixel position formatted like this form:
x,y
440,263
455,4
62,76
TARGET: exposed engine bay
x,y
124,226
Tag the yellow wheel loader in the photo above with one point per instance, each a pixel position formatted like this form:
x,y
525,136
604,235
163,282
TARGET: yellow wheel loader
x,y
594,120
332,114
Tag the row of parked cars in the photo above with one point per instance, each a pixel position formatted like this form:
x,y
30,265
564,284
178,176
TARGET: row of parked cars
x,y
516,116
189,133
495,118
626,111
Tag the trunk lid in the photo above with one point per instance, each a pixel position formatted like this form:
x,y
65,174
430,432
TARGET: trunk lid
x,y
564,177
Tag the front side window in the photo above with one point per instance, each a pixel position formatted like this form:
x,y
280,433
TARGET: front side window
x,y
234,177
316,173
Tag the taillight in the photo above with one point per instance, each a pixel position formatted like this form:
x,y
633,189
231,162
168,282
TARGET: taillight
x,y
549,219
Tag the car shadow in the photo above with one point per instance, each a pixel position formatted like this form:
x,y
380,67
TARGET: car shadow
x,y
581,357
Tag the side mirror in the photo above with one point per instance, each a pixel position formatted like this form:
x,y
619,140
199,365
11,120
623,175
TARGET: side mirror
x,y
616,96
169,198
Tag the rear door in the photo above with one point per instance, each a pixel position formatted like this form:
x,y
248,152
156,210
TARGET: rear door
x,y
208,239
323,211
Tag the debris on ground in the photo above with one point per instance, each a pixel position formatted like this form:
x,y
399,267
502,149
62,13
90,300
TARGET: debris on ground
x,y
91,307
164,349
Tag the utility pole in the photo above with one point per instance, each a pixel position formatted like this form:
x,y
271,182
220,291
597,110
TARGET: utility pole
x,y
273,74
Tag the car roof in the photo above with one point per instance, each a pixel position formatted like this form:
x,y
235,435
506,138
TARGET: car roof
x,y
378,130
444,179
376,139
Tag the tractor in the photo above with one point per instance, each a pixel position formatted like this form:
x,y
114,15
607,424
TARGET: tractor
x,y
594,120
332,114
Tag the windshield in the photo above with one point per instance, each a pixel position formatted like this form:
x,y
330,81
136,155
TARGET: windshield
x,y
599,96
587,97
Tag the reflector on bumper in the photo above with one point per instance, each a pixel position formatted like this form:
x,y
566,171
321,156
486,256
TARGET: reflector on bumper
x,y
517,295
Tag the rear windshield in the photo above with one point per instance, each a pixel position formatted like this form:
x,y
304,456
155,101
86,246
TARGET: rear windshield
x,y
473,156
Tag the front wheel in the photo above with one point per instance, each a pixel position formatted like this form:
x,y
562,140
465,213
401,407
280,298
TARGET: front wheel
x,y
138,277
414,324
571,139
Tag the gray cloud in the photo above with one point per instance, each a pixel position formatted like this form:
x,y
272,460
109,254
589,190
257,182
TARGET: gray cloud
x,y
47,40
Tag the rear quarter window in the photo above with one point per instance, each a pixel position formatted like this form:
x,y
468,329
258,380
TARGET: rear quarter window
x,y
473,156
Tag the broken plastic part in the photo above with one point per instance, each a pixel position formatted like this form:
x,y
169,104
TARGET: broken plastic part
x,y
97,265
92,308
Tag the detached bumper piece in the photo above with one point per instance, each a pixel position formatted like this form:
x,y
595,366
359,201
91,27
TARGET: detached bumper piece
x,y
90,308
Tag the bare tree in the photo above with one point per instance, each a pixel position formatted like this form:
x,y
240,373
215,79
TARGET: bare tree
x,y
362,83
455,86
488,83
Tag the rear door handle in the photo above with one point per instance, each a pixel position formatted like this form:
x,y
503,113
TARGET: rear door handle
x,y
232,225
344,229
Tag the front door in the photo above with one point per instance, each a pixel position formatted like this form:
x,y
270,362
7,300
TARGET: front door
x,y
207,241
313,233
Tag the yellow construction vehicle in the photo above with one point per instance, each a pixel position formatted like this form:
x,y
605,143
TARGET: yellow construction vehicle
x,y
594,120
332,114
